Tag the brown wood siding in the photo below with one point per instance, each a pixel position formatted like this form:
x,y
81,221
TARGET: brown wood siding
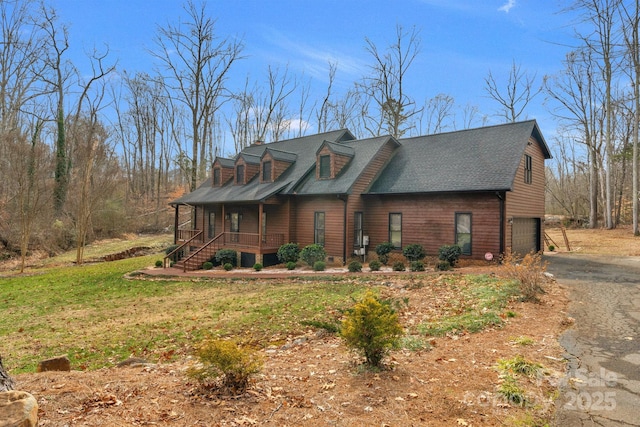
x,y
305,214
429,220
527,200
356,203
250,170
225,173
278,220
267,158
324,152
217,209
278,167
339,162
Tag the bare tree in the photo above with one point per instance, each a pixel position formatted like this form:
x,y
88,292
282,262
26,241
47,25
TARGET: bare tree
x,y
602,42
322,115
56,74
631,21
195,64
567,180
575,94
437,110
260,113
388,107
515,98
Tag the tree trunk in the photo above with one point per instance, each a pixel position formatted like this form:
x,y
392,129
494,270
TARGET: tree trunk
x,y
6,383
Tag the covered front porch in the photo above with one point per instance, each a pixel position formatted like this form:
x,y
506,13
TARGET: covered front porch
x,y
254,230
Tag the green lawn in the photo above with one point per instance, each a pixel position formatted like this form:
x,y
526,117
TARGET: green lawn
x,y
98,317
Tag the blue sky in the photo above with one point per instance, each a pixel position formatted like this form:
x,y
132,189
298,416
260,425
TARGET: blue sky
x,y
462,40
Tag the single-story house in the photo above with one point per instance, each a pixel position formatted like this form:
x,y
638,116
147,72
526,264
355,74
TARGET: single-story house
x,y
483,189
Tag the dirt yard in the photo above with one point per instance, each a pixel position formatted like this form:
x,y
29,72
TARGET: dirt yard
x,y
314,380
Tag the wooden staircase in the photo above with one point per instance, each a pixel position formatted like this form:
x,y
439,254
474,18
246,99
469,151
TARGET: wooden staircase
x,y
191,257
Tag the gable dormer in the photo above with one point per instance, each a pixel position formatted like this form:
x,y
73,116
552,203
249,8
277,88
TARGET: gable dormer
x,y
331,158
273,163
246,167
222,171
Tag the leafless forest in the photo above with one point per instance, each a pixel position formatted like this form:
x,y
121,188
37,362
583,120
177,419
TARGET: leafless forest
x,y
92,156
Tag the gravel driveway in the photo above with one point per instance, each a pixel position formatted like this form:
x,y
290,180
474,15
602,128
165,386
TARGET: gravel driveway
x,y
602,386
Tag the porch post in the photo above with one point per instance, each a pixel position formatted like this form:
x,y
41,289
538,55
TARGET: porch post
x,y
176,224
224,223
260,210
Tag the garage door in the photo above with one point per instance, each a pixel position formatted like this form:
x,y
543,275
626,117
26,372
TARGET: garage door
x,y
525,235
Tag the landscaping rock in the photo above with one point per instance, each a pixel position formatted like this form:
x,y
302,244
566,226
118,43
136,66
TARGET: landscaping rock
x,y
18,409
59,363
6,383
133,362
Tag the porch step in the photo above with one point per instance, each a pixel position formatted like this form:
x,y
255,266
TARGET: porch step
x,y
193,263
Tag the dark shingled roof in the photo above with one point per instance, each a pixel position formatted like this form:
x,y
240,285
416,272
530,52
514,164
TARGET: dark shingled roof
x,y
280,155
304,148
482,159
364,149
227,163
342,149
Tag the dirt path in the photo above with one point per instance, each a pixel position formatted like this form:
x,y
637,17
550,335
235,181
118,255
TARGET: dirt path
x,y
602,387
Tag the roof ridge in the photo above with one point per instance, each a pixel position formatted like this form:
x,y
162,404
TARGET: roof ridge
x,y
470,129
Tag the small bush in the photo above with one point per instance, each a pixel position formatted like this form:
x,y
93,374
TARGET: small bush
x,y
414,252
552,248
399,266
170,249
416,266
159,263
257,266
312,253
511,391
291,265
228,266
529,272
383,250
374,265
372,327
226,365
207,265
227,256
519,365
355,267
319,266
443,266
450,253
289,252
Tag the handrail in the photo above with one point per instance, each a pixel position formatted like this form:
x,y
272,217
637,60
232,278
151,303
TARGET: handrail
x,y
179,248
200,249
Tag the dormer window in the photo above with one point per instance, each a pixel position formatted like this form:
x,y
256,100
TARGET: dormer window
x,y
217,180
266,171
325,167
240,174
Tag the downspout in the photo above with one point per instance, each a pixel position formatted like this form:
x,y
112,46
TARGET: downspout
x,y
502,224
344,229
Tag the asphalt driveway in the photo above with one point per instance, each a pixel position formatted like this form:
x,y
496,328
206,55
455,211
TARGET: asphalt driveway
x,y
602,386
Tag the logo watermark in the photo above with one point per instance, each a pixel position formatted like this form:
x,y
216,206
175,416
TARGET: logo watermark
x,y
582,390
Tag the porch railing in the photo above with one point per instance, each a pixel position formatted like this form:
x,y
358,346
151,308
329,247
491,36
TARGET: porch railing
x,y
194,249
252,240
184,249
185,235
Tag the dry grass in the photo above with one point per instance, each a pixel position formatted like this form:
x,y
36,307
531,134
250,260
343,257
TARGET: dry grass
x,y
619,241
